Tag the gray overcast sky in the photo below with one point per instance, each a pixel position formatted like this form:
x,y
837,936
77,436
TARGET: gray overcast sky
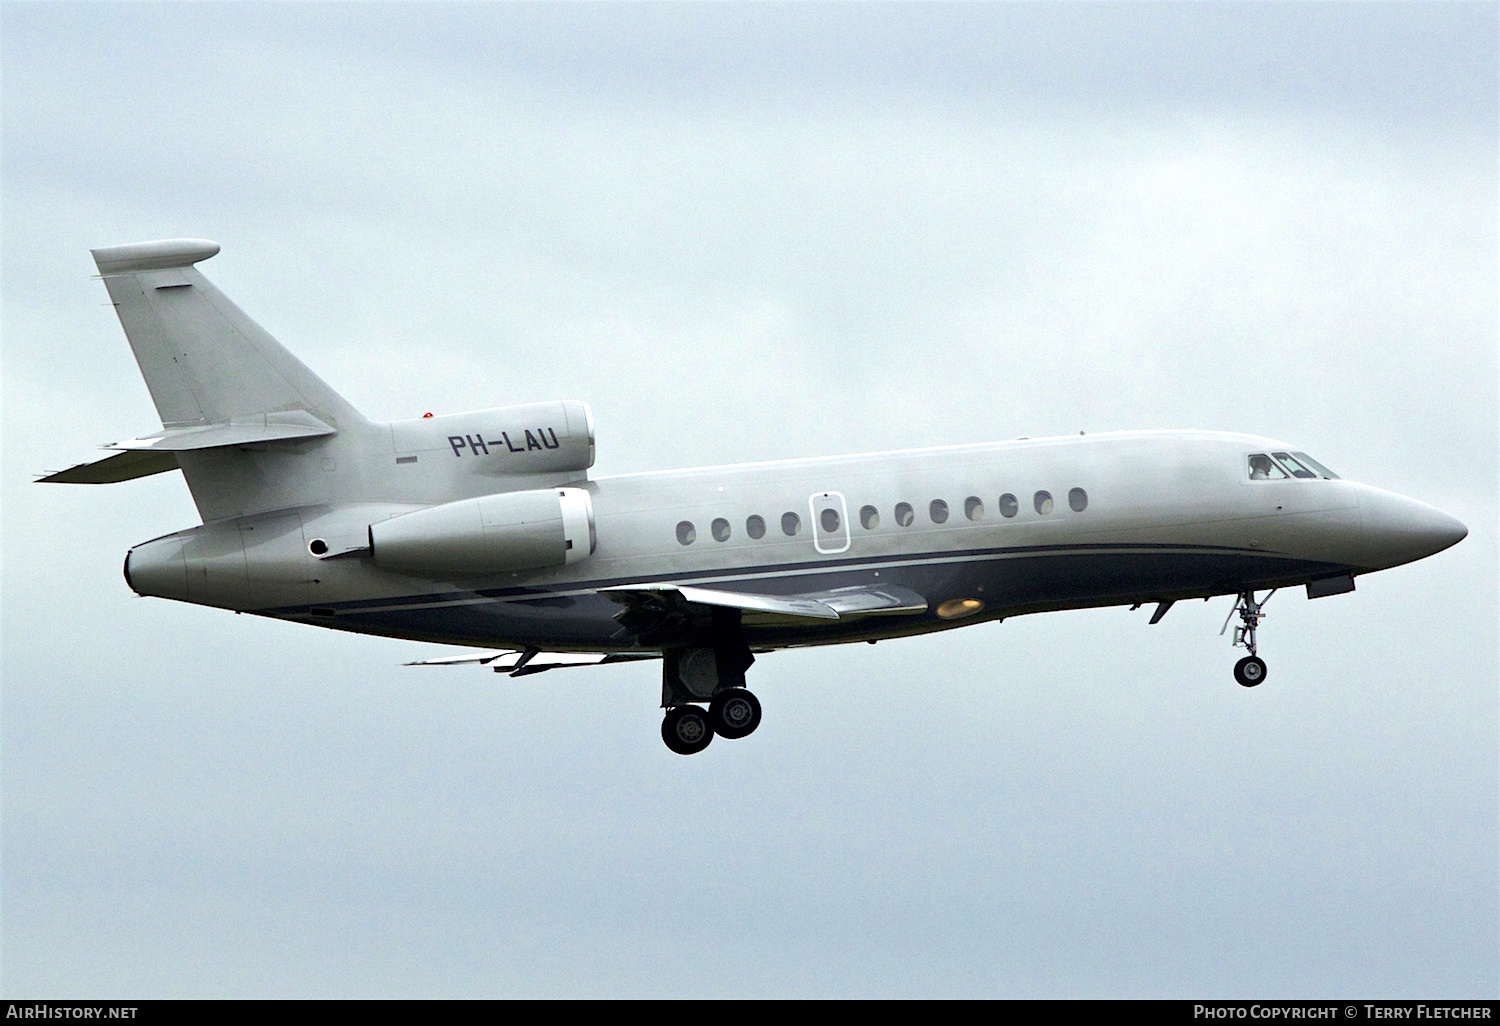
x,y
744,232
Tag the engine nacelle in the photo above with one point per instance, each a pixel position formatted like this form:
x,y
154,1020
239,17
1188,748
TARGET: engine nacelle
x,y
492,534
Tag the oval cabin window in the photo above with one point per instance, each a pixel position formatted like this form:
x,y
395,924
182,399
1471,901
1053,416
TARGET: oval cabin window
x,y
974,507
905,514
686,532
869,518
1078,500
829,518
755,527
1043,502
791,523
938,511
720,528
1009,507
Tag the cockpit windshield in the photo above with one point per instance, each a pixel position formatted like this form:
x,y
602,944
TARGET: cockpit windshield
x,y
1293,467
1278,466
1305,458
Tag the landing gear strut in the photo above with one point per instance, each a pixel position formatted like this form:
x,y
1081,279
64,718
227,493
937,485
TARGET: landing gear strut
x,y
1250,670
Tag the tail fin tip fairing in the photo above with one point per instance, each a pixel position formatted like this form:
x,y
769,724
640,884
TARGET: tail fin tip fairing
x,y
152,256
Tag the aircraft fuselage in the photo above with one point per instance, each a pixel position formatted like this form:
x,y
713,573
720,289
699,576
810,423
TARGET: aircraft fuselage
x,y
1165,515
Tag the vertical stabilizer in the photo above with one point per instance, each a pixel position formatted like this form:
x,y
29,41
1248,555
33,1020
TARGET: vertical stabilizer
x,y
203,359
213,371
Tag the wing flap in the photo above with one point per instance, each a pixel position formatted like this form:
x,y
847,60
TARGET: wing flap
x,y
779,605
834,604
868,600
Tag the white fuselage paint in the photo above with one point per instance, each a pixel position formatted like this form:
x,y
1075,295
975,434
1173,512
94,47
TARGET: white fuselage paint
x,y
1169,514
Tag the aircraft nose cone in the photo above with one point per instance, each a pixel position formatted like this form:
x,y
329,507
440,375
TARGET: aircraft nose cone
x,y
1399,530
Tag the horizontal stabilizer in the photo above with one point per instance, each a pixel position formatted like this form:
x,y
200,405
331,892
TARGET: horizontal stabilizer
x,y
156,454
122,466
269,427
518,665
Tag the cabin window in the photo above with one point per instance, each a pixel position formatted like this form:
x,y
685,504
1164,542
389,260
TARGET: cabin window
x,y
1296,469
1263,468
686,532
1309,461
869,518
1009,507
829,518
791,523
1078,500
720,529
974,507
755,527
1042,502
938,511
905,514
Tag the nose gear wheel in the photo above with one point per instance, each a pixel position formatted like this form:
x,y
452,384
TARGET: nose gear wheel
x,y
1250,671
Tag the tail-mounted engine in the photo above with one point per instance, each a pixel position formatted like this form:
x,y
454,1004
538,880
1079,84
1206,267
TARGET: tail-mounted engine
x,y
503,533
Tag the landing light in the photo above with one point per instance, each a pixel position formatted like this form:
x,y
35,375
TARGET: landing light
x,y
955,609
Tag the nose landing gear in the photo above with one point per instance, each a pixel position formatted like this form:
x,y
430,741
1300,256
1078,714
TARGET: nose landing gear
x,y
1250,670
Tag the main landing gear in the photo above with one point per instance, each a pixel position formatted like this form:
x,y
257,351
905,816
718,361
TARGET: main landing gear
x,y
713,673
732,713
1250,670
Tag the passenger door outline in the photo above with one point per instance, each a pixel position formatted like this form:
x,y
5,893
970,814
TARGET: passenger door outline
x,y
829,543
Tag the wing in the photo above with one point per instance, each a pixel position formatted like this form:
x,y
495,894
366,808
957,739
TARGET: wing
x,y
519,664
654,611
651,612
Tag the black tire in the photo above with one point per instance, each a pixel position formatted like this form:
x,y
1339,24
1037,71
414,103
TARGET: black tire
x,y
1250,671
735,713
686,729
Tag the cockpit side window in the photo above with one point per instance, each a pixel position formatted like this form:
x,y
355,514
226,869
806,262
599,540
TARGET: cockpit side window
x,y
1296,469
1309,461
1263,468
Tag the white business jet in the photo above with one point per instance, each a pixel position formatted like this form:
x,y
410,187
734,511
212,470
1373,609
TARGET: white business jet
x,y
485,529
